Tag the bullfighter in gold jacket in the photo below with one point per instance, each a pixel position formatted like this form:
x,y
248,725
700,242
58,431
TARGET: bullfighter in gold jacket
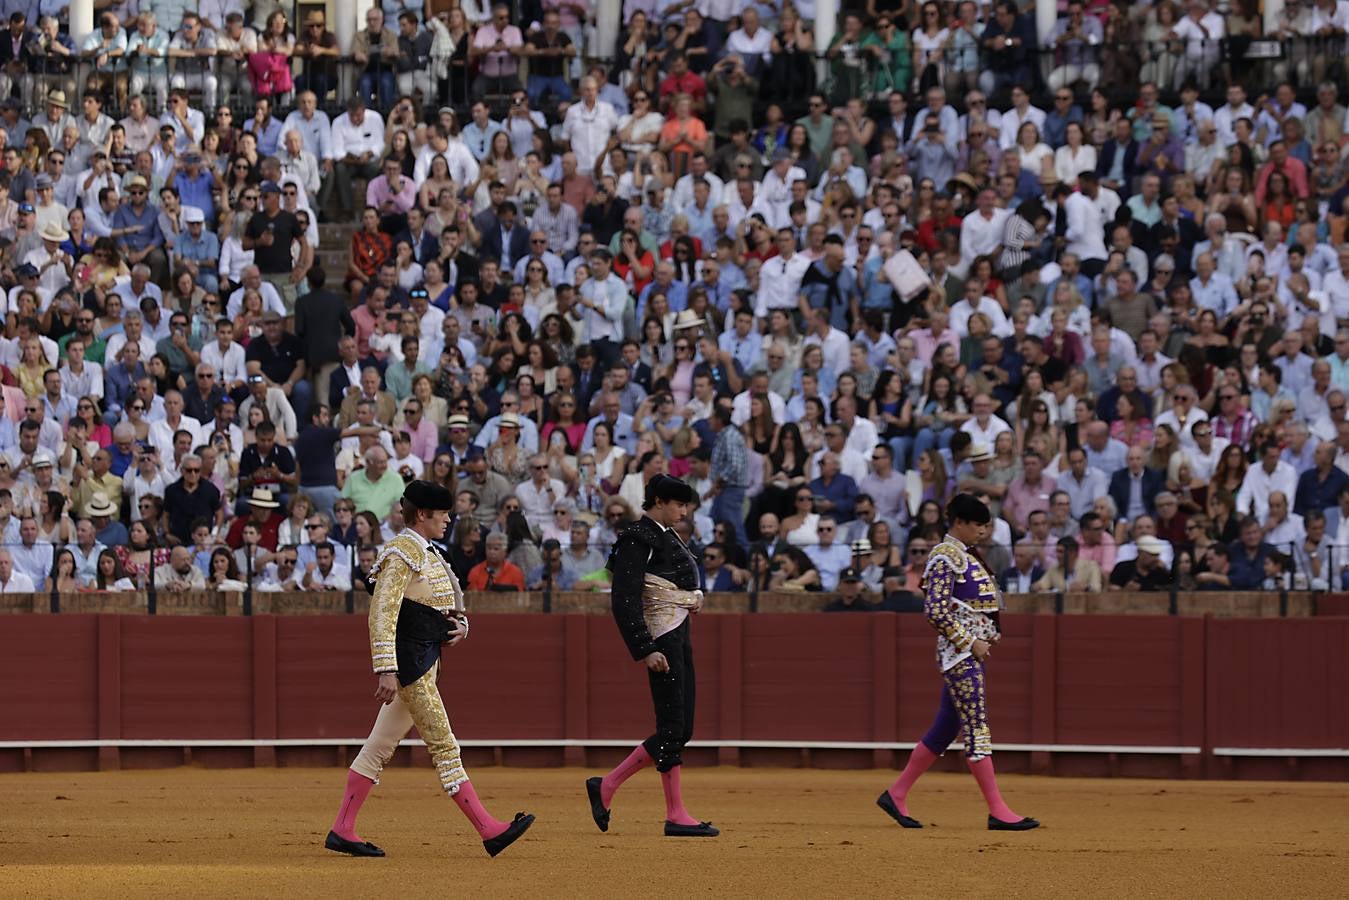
x,y
416,606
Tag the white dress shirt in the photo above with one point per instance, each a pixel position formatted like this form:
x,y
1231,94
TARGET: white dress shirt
x,y
588,129
349,138
780,283
1253,497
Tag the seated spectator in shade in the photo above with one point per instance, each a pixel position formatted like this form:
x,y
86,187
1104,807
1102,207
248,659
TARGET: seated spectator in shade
x,y
1247,555
1146,572
718,574
552,572
180,574
1025,571
1072,572
496,573
852,597
13,581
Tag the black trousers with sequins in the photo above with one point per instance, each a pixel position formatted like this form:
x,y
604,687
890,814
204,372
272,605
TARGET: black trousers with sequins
x,y
672,695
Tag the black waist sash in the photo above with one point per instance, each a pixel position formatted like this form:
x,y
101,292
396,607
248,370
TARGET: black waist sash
x,y
420,632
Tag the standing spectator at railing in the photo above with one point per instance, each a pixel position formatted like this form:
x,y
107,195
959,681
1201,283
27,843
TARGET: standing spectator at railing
x,y
193,49
375,49
751,42
269,67
1009,49
1075,38
14,53
549,50
317,47
1203,31
414,58
49,61
147,49
106,47
235,43
496,46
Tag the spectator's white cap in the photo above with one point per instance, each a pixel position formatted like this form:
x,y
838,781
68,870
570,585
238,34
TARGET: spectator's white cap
x,y
1149,544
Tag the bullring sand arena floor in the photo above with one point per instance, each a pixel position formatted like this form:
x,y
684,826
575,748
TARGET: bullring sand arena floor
x,y
786,833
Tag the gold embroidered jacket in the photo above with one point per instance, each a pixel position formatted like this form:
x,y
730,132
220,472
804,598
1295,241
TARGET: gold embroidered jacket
x,y
407,569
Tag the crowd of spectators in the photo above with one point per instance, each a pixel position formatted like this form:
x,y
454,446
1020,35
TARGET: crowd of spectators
x,y
570,268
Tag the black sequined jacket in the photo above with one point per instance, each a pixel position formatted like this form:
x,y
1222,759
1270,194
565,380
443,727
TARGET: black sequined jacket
x,y
645,547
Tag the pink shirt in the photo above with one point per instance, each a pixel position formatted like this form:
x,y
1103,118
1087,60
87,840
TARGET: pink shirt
x,y
496,65
1103,554
926,343
1023,499
424,441
380,191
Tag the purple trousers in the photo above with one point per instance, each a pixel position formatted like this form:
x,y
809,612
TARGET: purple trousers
x,y
962,707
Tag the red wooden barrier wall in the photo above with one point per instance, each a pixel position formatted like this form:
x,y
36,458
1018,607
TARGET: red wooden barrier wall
x,y
1068,680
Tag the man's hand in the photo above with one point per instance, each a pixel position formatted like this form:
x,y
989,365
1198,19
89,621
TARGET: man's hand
x,y
656,662
387,689
458,631
981,649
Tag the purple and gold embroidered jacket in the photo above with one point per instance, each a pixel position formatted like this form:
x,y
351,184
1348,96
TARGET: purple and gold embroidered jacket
x,y
960,599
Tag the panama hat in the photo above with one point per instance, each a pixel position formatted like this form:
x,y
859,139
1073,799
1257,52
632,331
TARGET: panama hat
x,y
263,499
687,319
54,232
99,505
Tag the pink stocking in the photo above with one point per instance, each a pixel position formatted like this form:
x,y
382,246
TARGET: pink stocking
x,y
466,798
358,788
674,799
637,760
920,760
988,783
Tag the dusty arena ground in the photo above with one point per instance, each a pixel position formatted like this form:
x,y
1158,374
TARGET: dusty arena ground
x,y
786,833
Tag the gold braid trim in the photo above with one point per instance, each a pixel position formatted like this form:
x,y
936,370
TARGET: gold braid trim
x,y
395,574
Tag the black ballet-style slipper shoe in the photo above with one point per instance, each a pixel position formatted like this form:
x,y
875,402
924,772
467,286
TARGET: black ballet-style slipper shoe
x,y
513,831
887,803
597,810
336,842
702,829
1025,824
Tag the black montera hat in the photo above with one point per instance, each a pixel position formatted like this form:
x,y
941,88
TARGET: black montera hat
x,y
428,495
665,487
968,508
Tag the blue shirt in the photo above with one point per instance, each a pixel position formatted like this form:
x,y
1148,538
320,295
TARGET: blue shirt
x,y
1245,574
745,349
269,137
677,293
197,192
120,461
1315,494
816,286
479,140
876,294
147,223
842,492
201,249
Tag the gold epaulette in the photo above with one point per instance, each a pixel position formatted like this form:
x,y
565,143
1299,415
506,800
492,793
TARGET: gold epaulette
x,y
406,548
953,554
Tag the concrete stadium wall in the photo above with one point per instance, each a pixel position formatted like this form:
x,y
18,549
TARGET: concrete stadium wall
x,y
1076,695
